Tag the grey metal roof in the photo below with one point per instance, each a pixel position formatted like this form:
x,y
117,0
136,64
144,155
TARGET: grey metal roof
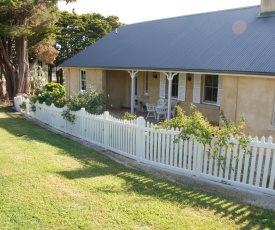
x,y
235,41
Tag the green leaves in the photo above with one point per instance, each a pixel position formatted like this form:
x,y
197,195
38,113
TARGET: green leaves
x,y
38,78
76,32
215,138
51,93
128,116
66,114
94,102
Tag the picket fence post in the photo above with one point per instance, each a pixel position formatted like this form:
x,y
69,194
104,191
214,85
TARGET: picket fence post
x,y
200,153
83,128
19,101
28,106
140,145
43,111
106,129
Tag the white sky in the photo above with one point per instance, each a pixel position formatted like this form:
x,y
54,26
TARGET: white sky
x,y
132,11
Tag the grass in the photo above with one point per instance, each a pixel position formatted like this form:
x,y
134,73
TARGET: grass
x,y
51,182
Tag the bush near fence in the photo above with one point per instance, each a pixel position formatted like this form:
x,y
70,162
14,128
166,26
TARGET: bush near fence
x,y
138,140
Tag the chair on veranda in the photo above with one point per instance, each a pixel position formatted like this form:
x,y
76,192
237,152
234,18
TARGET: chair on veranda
x,y
161,112
151,110
160,102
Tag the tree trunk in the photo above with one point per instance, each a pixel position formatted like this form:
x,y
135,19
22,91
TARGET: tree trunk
x,y
2,85
9,85
50,72
10,71
59,76
21,46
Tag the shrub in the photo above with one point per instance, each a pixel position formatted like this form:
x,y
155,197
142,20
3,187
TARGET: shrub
x,y
23,105
215,137
66,114
129,116
50,93
38,78
94,102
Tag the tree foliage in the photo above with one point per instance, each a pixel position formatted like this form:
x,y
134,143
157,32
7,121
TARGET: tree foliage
x,y
30,31
76,32
25,24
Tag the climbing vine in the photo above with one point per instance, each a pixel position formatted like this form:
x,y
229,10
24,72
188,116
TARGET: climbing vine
x,y
214,138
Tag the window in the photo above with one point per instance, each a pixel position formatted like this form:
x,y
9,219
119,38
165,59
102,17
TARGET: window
x,y
175,86
82,80
211,88
136,86
178,86
146,84
207,89
273,118
272,126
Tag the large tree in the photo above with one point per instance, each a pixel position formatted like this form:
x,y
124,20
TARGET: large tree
x,y
76,32
25,24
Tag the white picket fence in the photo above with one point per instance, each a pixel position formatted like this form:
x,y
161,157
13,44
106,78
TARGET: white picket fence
x,y
141,142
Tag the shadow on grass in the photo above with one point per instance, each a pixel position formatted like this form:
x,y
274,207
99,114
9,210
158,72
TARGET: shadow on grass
x,y
247,216
96,164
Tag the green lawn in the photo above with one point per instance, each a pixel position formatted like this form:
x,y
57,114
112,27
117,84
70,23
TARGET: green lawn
x,y
51,182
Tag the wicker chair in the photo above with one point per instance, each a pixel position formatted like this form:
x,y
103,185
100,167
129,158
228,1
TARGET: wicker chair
x,y
161,102
151,110
161,112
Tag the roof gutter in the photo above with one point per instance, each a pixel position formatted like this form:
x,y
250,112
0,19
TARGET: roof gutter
x,y
218,72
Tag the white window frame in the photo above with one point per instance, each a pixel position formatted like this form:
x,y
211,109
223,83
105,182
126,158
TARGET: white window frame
x,y
273,116
199,87
272,125
163,87
203,90
146,84
81,80
182,87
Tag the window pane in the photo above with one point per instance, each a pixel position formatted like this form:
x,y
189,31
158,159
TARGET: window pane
x,y
215,80
175,90
83,79
83,75
146,83
175,79
136,86
208,94
175,86
211,88
208,80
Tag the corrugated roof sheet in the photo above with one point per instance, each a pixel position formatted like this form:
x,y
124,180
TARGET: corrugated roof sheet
x,y
225,41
